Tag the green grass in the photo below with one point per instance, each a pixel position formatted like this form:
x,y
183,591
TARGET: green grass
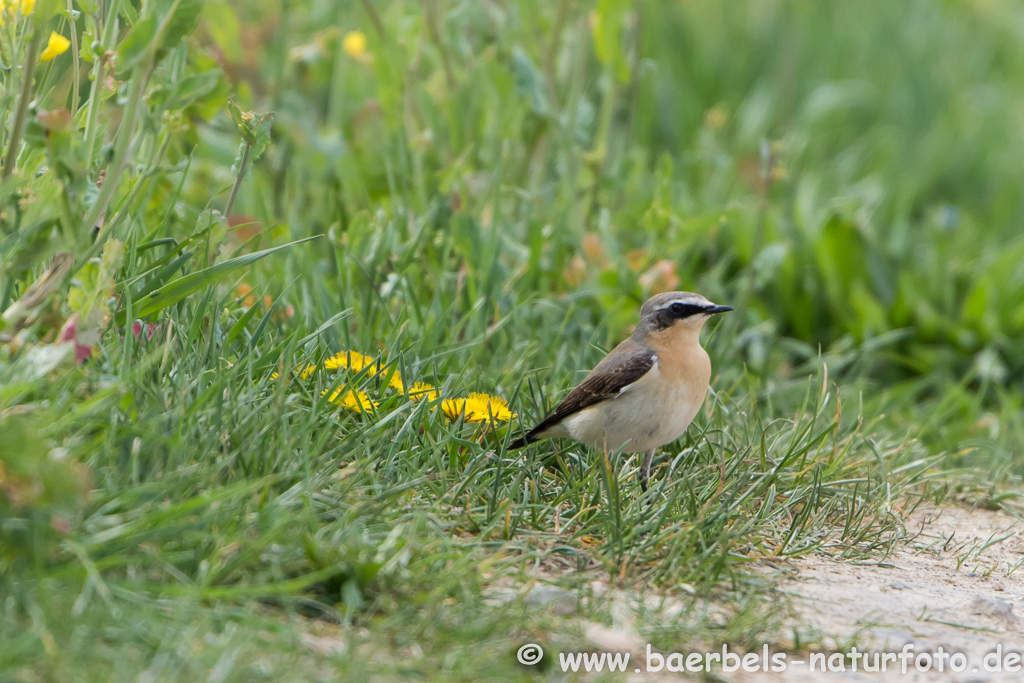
x,y
489,192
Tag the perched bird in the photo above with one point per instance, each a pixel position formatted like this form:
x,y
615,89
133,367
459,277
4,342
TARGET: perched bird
x,y
645,393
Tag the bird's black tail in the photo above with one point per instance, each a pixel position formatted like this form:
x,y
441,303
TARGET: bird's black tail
x,y
519,443
525,440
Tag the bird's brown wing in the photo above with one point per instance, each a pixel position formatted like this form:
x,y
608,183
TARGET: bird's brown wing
x,y
606,381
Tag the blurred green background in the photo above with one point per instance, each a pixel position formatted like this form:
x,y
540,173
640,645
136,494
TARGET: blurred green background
x,y
889,134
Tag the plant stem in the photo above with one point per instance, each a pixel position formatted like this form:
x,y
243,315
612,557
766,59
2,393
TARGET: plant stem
x,y
26,95
92,118
551,54
140,77
238,180
371,12
76,73
434,31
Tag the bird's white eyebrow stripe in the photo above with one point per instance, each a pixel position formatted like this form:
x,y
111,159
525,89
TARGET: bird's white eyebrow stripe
x,y
685,302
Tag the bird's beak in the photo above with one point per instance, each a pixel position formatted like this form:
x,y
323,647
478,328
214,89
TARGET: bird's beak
x,y
719,309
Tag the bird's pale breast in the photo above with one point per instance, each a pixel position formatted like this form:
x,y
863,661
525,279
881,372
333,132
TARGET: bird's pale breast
x,y
653,412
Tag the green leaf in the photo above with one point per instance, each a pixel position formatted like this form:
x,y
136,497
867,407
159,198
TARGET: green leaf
x,y
175,291
93,285
236,116
178,18
162,275
136,44
128,13
187,90
607,29
85,48
840,252
239,325
222,24
260,128
44,9
530,81
196,326
255,131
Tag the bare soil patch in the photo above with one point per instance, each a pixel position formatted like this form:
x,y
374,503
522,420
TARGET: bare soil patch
x,y
958,585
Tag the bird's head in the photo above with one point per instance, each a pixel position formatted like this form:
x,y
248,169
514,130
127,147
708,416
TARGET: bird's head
x,y
677,310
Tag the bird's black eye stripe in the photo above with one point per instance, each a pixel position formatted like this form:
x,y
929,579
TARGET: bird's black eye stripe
x,y
680,310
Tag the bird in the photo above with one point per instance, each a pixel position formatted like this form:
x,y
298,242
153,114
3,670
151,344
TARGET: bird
x,y
646,392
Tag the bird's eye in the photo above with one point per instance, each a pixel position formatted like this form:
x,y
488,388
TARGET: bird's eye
x,y
677,309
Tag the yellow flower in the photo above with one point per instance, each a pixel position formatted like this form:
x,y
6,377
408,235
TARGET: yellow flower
x,y
353,360
356,401
396,382
477,408
491,407
422,390
56,45
303,372
26,9
354,43
453,407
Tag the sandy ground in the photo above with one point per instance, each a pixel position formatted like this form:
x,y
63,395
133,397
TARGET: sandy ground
x,y
958,586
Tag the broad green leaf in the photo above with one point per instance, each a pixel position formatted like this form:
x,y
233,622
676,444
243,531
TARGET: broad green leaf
x,y
175,291
85,48
187,90
178,19
136,44
128,13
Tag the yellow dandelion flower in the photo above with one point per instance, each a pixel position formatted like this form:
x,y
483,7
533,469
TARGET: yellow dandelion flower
x,y
353,360
57,45
349,399
396,382
477,408
302,372
354,43
453,408
422,390
490,407
27,6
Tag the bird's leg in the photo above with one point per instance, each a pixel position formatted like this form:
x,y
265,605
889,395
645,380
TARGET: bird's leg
x,y
645,469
